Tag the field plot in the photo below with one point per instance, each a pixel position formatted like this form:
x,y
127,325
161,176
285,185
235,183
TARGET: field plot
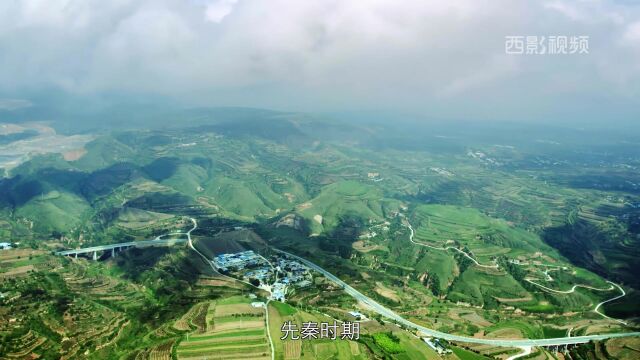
x,y
161,352
485,237
279,313
18,262
230,328
478,286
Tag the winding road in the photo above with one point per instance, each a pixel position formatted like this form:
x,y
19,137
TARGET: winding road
x,y
525,344
208,261
495,266
596,309
389,314
526,350
572,289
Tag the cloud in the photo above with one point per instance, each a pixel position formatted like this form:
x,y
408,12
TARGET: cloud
x,y
438,57
216,11
14,104
632,34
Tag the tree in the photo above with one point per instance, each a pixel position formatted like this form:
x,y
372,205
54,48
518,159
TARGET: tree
x,y
434,282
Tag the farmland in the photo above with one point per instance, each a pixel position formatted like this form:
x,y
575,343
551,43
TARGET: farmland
x,y
230,328
496,252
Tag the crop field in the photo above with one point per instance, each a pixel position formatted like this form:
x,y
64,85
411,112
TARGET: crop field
x,y
307,349
19,262
476,284
76,318
388,341
485,237
230,328
77,306
528,220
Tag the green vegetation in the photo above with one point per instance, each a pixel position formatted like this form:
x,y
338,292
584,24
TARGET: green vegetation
x,y
463,354
388,342
341,201
346,205
283,308
228,326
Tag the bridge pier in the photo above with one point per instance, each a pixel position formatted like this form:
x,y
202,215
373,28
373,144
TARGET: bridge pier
x,y
76,255
95,255
113,252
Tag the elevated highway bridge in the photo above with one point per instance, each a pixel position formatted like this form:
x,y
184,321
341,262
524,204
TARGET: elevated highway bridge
x,y
94,250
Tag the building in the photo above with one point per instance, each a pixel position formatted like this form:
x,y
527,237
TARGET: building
x,y
278,291
357,315
436,345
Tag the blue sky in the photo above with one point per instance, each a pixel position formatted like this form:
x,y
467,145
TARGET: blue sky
x,y
444,59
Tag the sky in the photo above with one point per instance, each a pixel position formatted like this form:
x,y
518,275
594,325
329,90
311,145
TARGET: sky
x,y
443,59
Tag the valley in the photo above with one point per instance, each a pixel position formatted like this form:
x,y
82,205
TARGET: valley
x,y
423,242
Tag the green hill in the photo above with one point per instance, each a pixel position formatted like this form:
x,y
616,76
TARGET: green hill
x,y
54,211
484,236
339,201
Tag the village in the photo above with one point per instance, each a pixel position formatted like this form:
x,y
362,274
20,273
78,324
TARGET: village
x,y
275,274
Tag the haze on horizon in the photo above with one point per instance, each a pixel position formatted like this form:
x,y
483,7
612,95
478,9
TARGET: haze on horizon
x,y
440,59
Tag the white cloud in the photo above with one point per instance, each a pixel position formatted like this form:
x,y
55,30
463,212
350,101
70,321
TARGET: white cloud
x,y
632,34
318,54
219,9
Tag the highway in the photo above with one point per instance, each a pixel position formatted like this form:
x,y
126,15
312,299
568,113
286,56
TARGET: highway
x,y
389,314
142,243
372,304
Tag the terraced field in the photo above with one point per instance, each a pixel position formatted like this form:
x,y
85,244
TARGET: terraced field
x,y
73,307
279,313
229,328
73,322
486,238
159,303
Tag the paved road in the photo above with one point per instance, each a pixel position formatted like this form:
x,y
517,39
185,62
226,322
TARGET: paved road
x,y
389,314
570,290
495,266
142,243
623,293
273,349
378,308
208,261
526,350
549,278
